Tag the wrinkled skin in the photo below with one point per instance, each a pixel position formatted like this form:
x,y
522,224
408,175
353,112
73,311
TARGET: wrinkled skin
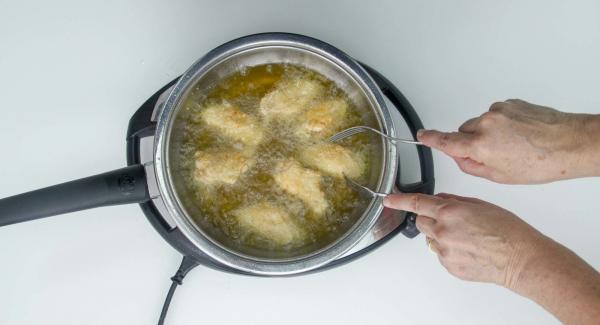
x,y
474,240
516,142
478,241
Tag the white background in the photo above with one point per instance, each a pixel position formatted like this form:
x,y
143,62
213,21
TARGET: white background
x,y
73,72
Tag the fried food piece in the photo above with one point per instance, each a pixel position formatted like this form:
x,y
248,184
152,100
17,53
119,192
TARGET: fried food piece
x,y
269,221
302,183
333,159
233,123
290,97
322,119
220,167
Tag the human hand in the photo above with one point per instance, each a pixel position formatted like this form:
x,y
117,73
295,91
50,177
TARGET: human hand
x,y
516,142
474,240
478,241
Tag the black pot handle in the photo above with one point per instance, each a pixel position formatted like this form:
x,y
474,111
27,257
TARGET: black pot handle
x,y
125,185
427,182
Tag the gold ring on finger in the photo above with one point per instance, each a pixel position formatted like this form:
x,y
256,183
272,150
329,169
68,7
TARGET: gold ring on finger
x,y
428,239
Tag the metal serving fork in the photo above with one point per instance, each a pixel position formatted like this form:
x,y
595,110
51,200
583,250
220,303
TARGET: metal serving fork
x,y
363,189
358,129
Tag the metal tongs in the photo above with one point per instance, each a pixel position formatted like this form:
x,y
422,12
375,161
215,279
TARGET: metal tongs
x,y
363,190
359,129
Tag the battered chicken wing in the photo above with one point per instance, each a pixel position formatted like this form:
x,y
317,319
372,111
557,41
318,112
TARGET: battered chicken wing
x,y
322,119
302,183
233,123
333,159
220,167
290,97
269,221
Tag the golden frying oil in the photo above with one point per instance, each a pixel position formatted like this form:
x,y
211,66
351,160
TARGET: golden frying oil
x,y
245,89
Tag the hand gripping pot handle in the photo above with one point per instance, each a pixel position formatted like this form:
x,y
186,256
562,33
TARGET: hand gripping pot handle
x,y
125,185
427,182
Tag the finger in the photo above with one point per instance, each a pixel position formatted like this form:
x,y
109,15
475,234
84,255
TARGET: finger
x,y
415,202
473,167
469,126
498,106
425,225
456,144
459,198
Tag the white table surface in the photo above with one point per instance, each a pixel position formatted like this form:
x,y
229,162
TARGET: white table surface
x,y
73,72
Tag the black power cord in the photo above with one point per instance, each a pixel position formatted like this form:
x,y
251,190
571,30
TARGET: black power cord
x,y
187,264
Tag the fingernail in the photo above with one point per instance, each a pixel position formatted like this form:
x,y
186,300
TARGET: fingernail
x,y
420,133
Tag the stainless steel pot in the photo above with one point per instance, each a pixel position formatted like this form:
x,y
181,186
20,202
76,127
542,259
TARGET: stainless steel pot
x,y
266,49
154,181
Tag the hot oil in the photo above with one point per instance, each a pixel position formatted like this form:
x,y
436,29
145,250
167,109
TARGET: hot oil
x,y
244,90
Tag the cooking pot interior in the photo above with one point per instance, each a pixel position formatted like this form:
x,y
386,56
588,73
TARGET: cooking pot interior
x,y
206,81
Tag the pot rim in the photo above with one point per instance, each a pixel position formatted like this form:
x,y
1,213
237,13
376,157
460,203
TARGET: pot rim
x,y
206,244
